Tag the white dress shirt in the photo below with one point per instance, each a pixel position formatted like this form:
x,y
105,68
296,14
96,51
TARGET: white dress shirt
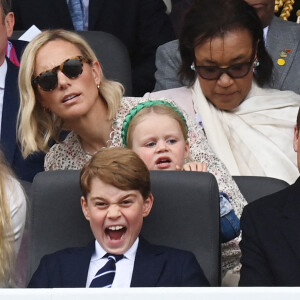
x,y
124,267
3,71
266,29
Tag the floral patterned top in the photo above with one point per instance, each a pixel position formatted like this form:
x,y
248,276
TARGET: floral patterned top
x,y
70,155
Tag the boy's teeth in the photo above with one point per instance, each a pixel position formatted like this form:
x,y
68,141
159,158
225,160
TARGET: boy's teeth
x,y
115,227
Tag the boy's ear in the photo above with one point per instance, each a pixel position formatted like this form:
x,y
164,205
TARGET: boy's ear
x,y
187,150
85,208
147,205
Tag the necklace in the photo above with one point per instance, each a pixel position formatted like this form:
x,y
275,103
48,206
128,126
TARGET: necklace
x,y
107,143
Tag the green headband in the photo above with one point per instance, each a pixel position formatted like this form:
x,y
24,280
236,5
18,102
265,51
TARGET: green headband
x,y
138,108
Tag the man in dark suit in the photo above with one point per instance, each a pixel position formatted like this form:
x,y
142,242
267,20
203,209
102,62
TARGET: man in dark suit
x,y
282,42
116,197
9,99
142,25
270,236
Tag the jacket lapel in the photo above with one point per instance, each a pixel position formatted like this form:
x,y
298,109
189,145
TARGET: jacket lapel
x,y
277,41
148,265
10,110
78,267
291,219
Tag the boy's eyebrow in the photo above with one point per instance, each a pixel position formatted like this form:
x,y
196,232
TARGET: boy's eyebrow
x,y
93,198
102,198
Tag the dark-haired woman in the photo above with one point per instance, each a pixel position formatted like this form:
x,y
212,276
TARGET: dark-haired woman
x,y
224,58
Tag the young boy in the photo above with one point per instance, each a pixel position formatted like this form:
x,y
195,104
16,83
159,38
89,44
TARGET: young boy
x,y
116,197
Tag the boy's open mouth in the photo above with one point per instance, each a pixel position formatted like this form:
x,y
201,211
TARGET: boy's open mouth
x,y
115,232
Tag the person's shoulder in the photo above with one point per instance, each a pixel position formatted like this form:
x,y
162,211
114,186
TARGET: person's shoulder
x,y
284,23
69,253
170,252
178,92
171,46
270,204
65,155
284,27
15,191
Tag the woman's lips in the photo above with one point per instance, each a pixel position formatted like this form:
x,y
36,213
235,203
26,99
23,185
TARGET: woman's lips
x,y
70,98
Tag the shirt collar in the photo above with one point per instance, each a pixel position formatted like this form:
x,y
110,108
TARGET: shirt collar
x,y
3,70
266,29
129,254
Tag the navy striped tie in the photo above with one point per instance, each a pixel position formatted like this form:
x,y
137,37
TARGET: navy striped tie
x,y
76,12
105,276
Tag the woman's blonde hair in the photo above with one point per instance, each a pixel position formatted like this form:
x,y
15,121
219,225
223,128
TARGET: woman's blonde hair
x,y
37,125
7,251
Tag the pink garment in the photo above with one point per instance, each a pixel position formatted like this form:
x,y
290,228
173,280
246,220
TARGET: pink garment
x,y
11,54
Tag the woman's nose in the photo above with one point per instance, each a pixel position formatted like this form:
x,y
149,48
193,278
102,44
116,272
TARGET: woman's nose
x,y
62,80
225,80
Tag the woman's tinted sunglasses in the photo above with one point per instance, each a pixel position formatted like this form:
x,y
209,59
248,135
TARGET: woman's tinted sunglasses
x,y
71,67
214,73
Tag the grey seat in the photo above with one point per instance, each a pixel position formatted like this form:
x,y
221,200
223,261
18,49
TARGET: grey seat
x,y
255,187
112,54
185,215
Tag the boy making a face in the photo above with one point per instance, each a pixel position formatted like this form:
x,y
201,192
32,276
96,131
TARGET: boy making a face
x,y
116,197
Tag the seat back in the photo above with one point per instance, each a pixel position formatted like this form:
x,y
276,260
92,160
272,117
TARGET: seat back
x,y
112,54
185,215
56,218
255,187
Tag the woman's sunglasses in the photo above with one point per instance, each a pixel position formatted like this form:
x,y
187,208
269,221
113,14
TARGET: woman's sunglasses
x,y
214,73
71,67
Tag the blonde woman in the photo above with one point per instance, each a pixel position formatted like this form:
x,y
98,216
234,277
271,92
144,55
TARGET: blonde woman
x,y
78,99
12,222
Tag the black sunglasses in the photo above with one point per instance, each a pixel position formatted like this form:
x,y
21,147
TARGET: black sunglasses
x,y
71,67
214,73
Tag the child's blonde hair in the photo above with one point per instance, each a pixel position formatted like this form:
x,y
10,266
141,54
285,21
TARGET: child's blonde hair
x,y
157,107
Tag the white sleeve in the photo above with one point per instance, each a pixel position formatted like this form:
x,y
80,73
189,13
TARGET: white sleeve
x,y
17,203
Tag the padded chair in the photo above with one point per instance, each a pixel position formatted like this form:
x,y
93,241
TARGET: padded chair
x,y
112,54
255,187
185,215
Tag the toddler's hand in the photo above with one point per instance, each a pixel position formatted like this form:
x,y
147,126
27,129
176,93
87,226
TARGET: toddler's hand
x,y
195,166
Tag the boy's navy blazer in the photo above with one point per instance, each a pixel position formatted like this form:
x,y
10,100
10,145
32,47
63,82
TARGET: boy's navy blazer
x,y
24,169
154,266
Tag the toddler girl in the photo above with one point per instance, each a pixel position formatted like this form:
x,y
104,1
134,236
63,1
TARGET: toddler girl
x,y
158,133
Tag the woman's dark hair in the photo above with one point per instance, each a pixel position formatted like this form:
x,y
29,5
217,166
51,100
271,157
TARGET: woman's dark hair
x,y
208,19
